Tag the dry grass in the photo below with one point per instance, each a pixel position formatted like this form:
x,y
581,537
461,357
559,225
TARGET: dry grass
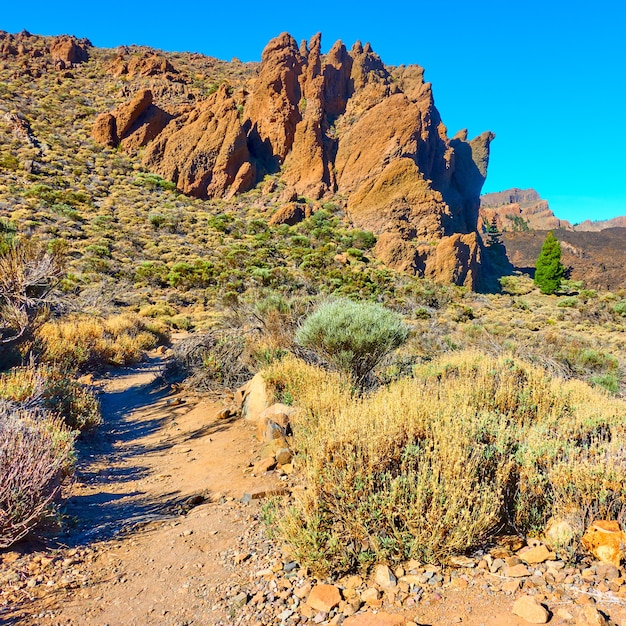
x,y
92,342
436,464
53,391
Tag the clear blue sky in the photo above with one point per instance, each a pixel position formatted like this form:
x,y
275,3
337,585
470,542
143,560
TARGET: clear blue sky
x,y
547,77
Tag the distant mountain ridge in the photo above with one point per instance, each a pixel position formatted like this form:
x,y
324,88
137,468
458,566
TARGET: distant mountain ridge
x,y
524,209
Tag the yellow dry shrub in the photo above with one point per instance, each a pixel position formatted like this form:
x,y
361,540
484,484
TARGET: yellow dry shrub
x,y
434,464
91,342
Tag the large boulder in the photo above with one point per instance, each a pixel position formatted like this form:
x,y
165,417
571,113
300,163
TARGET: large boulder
x,y
69,50
606,540
133,123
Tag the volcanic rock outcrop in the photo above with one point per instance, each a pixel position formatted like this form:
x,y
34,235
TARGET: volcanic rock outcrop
x,y
327,124
205,150
132,124
141,63
63,51
523,209
519,210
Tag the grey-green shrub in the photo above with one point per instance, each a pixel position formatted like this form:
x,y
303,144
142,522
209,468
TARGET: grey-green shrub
x,y
352,336
36,453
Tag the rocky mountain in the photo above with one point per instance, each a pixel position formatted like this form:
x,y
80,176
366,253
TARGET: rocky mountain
x,y
336,125
523,209
596,226
519,210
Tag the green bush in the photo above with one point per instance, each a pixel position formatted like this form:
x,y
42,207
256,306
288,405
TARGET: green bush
x,y
620,308
353,336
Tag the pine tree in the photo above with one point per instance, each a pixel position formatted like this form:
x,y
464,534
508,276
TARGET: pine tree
x,y
549,269
494,236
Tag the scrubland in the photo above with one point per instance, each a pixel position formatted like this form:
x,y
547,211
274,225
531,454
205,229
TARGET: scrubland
x,y
498,412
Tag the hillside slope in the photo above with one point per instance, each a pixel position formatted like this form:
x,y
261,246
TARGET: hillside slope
x,y
81,125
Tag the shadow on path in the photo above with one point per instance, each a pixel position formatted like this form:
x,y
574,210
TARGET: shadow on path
x,y
112,462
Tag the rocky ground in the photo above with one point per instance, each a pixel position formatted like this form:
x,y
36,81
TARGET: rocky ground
x,y
164,527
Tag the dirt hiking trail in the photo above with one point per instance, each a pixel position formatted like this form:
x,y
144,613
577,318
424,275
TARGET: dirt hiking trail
x,y
158,533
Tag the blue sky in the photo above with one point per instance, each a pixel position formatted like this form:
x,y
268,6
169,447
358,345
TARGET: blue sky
x,y
547,77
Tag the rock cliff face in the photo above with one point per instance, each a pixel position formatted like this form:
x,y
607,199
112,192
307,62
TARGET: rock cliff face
x,y
327,124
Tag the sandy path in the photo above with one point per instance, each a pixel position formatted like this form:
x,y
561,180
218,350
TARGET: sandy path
x,y
152,509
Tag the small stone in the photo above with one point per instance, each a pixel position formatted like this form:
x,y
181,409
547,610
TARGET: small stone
x,y
371,596
604,571
564,614
529,609
263,492
496,565
303,591
590,616
516,571
264,465
462,561
223,414
459,583
284,456
511,586
352,582
538,554
240,599
324,598
384,577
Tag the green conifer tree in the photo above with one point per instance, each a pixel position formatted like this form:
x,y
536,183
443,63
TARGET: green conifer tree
x,y
549,269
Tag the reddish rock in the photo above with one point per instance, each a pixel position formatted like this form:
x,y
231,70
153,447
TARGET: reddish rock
x,y
307,166
272,422
517,571
254,398
606,541
272,111
142,63
291,214
146,127
538,554
324,598
456,260
69,50
205,153
126,114
104,130
590,616
530,610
